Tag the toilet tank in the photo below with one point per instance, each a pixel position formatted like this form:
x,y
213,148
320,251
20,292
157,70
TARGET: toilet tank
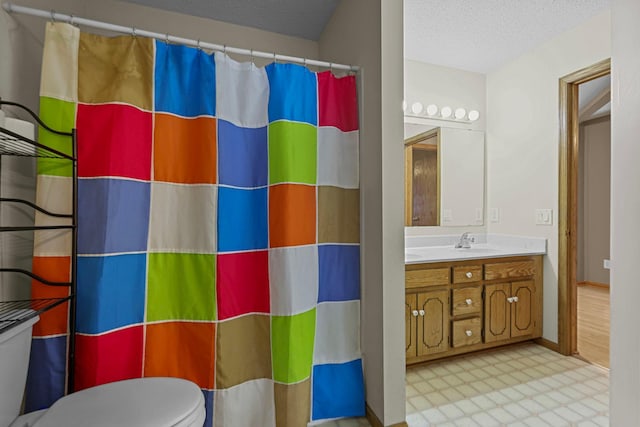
x,y
15,347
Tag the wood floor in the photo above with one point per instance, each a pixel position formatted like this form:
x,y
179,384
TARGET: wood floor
x,y
593,324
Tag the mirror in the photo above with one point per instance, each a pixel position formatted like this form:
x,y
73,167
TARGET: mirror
x,y
444,176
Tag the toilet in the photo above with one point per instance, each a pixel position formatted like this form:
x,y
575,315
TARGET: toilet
x,y
144,402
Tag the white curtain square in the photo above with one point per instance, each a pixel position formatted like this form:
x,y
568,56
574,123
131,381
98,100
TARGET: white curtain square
x,y
183,218
337,157
60,59
242,92
337,332
247,404
55,194
293,279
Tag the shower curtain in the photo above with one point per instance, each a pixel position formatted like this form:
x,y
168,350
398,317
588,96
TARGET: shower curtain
x,y
218,228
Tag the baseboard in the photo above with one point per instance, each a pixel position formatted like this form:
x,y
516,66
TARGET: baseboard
x,y
548,344
596,284
375,421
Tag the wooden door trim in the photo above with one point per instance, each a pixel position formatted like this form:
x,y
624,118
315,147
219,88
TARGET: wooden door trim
x,y
568,197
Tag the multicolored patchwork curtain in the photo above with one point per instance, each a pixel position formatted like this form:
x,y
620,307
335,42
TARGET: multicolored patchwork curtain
x,y
218,228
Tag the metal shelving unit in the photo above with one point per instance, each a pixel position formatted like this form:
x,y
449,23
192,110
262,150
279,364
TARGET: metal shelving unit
x,y
12,313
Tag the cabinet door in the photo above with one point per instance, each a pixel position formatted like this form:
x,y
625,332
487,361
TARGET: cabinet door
x,y
410,325
497,312
522,310
433,322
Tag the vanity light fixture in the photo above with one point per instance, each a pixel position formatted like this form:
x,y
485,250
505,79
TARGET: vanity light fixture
x,y
446,112
460,113
416,107
474,115
432,110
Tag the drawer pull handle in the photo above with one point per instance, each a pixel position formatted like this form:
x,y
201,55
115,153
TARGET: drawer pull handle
x,y
515,299
469,301
468,332
510,299
415,313
469,274
421,312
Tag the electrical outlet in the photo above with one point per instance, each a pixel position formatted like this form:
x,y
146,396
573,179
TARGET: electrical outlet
x,y
607,264
494,215
544,216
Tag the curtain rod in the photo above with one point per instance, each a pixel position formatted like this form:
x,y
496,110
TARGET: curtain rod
x,y
73,20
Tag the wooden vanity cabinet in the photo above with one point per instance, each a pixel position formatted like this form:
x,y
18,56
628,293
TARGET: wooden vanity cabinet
x,y
462,306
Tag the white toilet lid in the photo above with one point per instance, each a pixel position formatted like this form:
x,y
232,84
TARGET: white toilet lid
x,y
145,402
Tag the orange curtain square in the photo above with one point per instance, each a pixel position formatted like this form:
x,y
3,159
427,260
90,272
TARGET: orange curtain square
x,y
182,350
292,215
55,269
184,149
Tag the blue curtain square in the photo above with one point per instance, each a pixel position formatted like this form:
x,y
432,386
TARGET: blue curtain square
x,y
338,390
339,272
117,285
242,219
242,155
113,216
208,405
293,93
47,372
185,80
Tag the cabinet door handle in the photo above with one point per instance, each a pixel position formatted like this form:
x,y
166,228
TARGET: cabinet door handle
x,y
469,301
510,300
468,332
469,274
515,299
415,313
421,312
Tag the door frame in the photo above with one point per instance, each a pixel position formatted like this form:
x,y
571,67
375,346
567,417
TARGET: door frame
x,y
568,202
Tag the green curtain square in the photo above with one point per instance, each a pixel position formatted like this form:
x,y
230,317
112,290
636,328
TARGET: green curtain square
x,y
59,115
292,152
181,287
292,346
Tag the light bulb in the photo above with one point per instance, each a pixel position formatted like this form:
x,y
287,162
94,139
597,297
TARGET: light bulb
x,y
474,115
416,107
460,113
432,109
446,112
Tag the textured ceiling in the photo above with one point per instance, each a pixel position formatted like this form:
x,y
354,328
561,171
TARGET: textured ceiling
x,y
481,35
299,18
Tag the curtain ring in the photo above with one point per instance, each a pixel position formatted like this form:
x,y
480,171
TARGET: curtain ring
x,y
331,67
275,60
53,16
304,61
71,19
198,45
166,38
224,49
133,32
251,56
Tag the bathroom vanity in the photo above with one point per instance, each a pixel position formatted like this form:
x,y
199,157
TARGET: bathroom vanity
x,y
460,300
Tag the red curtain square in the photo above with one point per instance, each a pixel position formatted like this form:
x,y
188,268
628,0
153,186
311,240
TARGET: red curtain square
x,y
337,101
109,357
114,140
181,350
243,284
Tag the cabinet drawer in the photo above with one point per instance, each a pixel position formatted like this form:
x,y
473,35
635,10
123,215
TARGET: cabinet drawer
x,y
466,301
427,277
466,332
467,273
508,270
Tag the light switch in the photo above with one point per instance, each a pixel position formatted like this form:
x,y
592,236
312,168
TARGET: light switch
x,y
607,264
479,214
494,215
544,216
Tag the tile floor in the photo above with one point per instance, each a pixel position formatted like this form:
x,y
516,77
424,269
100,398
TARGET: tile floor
x,y
523,385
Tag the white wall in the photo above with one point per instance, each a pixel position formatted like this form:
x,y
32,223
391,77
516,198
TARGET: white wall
x,y
522,140
625,211
369,34
444,86
594,189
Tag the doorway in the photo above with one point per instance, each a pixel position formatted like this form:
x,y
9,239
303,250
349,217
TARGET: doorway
x,y
572,217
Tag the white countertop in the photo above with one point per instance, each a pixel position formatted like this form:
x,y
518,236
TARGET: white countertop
x,y
424,249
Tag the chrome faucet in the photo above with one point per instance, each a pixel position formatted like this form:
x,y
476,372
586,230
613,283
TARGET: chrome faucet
x,y
465,241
